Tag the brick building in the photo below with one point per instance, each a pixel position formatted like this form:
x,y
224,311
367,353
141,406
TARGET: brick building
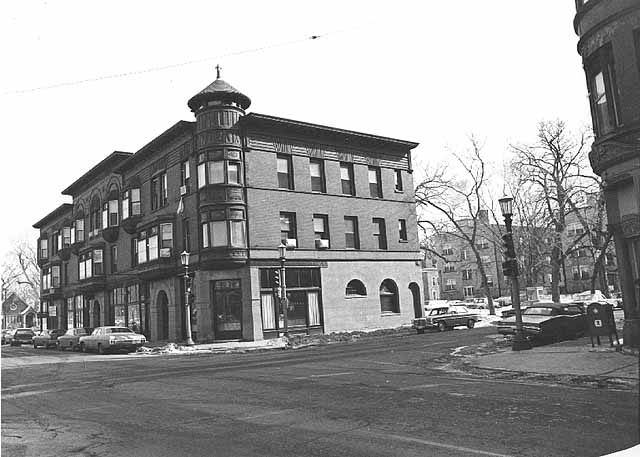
x,y
229,188
609,45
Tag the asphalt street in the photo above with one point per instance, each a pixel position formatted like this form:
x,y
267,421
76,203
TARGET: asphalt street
x,y
382,396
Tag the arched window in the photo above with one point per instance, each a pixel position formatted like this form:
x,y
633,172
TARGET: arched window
x,y
389,297
355,287
110,213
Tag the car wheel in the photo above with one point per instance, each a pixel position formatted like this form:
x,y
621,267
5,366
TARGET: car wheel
x,y
83,348
100,349
59,347
442,326
420,331
471,323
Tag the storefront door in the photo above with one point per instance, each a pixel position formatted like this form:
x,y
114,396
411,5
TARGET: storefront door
x,y
227,310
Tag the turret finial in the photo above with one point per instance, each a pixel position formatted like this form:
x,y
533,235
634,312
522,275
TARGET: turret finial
x,y
218,67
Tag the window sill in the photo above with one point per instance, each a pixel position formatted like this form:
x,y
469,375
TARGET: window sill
x,y
348,297
389,314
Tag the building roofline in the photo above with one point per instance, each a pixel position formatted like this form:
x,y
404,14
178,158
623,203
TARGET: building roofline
x,y
112,159
264,119
56,213
149,148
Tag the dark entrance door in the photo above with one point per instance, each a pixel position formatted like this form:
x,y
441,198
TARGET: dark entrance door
x,y
96,313
415,291
227,310
163,316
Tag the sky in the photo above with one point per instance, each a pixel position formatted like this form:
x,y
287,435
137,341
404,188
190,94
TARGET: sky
x,y
81,79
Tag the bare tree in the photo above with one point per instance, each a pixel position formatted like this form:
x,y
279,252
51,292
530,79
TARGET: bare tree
x,y
556,170
454,205
21,274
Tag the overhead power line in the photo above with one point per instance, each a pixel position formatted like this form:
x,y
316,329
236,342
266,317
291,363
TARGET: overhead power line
x,y
164,67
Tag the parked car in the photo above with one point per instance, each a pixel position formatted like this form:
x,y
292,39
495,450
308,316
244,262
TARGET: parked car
x,y
47,338
548,322
71,338
20,336
104,339
444,318
5,332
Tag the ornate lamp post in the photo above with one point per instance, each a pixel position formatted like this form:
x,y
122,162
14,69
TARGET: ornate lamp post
x,y
510,270
282,251
184,260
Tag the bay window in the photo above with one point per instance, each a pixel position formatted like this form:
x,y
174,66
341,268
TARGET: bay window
x,y
217,171
91,264
155,242
131,203
222,230
602,90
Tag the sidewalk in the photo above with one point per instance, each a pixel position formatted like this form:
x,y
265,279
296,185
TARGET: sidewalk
x,y
568,358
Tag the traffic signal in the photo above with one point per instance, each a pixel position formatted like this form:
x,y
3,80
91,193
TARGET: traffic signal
x,y
509,249
510,268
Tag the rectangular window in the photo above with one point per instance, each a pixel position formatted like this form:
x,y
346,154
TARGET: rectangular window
x,y
134,252
202,180
79,229
98,266
316,170
346,178
380,233
164,191
320,227
66,237
489,280
185,174
238,234
450,285
166,234
105,215
464,255
375,184
233,173
448,250
44,250
113,213
114,259
285,175
449,268
602,91
402,229
467,274
218,233
468,291
135,201
351,238
216,172
398,180
142,251
154,193
152,246
287,226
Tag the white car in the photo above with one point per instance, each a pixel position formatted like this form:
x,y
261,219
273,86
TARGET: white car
x,y
105,339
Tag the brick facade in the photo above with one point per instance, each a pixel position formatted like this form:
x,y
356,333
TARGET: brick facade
x,y
135,214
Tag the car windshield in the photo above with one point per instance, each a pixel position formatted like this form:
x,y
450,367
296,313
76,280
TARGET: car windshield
x,y
539,311
118,330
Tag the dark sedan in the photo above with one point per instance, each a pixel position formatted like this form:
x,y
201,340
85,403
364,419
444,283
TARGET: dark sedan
x,y
48,338
20,336
548,322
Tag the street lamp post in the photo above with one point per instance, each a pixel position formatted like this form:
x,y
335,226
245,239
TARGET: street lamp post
x,y
184,260
282,250
510,269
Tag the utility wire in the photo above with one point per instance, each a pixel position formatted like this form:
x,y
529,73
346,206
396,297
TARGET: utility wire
x,y
165,67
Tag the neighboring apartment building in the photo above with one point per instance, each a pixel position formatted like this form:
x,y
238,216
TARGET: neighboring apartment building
x,y
459,276
458,268
229,188
609,45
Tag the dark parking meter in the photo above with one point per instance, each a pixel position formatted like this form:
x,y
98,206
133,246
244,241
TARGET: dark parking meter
x,y
600,322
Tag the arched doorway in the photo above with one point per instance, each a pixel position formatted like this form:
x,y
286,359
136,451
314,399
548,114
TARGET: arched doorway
x,y
415,291
163,316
